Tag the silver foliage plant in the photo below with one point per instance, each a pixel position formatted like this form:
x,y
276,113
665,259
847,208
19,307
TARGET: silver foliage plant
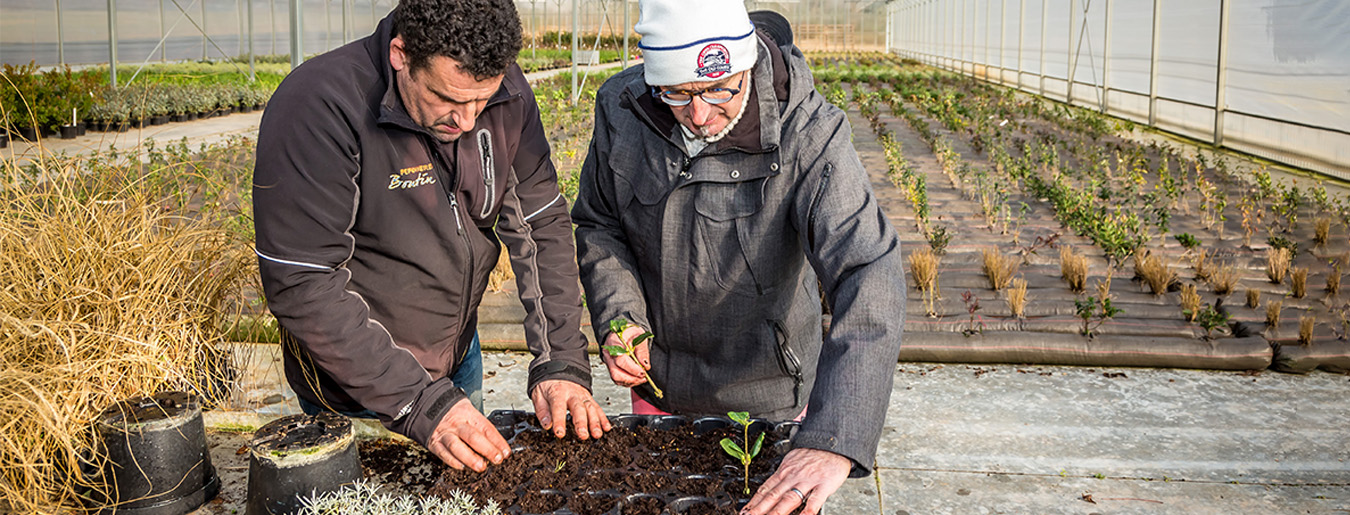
x,y
365,498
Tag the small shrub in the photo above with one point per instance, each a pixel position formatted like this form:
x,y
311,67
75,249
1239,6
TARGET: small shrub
x,y
1157,274
1211,319
1073,268
1186,240
1305,329
1273,314
1280,242
999,268
1224,279
1253,298
1017,297
1298,284
938,238
1190,302
1277,264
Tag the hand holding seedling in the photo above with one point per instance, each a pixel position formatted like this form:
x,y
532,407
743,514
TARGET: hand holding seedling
x,y
750,451
626,339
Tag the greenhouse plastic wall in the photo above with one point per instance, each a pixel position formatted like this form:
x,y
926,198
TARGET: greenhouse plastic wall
x,y
1277,70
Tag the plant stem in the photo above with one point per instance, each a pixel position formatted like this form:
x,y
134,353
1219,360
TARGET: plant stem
x,y
648,377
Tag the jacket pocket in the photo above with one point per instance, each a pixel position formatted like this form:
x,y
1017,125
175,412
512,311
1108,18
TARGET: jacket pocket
x,y
787,359
721,211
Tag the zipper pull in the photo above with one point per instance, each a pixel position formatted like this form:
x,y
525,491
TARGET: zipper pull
x,y
454,206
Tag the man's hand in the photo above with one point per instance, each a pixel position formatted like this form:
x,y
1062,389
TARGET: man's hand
x,y
622,369
554,399
806,476
465,438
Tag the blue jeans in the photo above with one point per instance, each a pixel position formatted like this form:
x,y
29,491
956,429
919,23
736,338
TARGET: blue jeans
x,y
468,377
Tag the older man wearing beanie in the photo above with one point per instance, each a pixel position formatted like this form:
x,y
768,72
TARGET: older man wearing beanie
x,y
721,194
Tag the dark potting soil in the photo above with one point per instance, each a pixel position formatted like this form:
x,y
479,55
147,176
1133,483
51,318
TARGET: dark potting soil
x,y
643,469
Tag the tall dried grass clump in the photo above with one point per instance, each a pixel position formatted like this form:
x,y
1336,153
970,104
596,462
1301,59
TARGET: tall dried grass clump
x,y
923,269
1156,273
1334,280
1273,314
999,268
1298,282
1321,231
1305,329
1224,279
1073,268
116,278
501,273
1277,264
1202,265
1253,298
1017,297
1190,301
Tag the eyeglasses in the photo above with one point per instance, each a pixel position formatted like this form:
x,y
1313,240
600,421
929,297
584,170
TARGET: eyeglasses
x,y
682,97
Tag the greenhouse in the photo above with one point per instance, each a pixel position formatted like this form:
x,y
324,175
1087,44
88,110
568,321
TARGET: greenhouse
x,y
1121,229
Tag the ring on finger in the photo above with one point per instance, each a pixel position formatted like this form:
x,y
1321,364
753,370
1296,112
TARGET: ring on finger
x,y
799,494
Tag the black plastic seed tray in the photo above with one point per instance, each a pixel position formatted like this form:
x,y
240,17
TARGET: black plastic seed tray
x,y
638,488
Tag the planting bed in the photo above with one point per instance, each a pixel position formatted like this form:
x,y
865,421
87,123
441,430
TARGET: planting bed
x,y
646,465
997,194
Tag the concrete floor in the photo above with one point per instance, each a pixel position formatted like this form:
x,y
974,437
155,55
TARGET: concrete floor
x,y
962,439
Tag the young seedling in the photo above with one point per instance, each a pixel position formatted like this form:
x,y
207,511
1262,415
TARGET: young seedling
x,y
729,445
629,348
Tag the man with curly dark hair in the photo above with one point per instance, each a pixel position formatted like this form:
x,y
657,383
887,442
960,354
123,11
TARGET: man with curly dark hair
x,y
388,172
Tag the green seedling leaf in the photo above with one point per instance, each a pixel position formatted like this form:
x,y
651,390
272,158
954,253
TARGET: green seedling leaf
x,y
754,449
734,450
615,350
617,326
739,417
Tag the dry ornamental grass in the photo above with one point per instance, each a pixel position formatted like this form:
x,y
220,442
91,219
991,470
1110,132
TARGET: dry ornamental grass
x,y
1224,279
999,268
1277,264
1190,302
1334,280
1157,274
1273,314
1073,268
1298,282
1305,329
115,279
1253,298
1017,297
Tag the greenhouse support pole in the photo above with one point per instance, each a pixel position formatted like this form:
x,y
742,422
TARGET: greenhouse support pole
x,y
346,25
297,25
374,19
239,11
627,27
112,42
1040,67
1221,81
60,37
272,24
1021,37
1073,56
1153,66
252,74
327,24
204,42
987,60
1106,59
576,12
1002,39
162,48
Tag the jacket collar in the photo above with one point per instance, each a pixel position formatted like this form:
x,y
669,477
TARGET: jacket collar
x,y
759,128
391,109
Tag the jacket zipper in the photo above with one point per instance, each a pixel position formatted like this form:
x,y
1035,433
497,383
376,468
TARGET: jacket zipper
x,y
788,359
815,204
449,188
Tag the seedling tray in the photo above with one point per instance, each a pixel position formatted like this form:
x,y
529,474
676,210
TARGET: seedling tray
x,y
657,465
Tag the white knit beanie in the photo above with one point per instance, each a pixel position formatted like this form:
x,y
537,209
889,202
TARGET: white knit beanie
x,y
694,40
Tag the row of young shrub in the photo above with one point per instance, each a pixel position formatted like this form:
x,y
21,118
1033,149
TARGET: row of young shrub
x,y
144,101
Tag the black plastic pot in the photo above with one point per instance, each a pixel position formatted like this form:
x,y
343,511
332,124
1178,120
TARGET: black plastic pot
x,y
155,459
70,131
28,134
298,456
159,120
4,139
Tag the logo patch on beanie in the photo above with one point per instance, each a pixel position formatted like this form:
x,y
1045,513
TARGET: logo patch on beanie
x,y
713,61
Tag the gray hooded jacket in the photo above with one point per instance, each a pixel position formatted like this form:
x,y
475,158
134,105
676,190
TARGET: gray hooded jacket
x,y
719,255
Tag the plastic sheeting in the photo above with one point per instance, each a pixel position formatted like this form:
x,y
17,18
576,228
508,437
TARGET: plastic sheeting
x,y
1287,74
